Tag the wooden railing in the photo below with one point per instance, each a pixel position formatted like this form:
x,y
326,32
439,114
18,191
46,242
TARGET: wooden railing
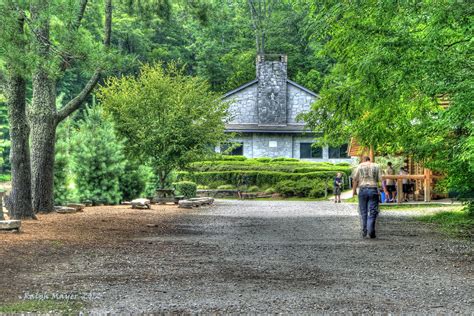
x,y
426,177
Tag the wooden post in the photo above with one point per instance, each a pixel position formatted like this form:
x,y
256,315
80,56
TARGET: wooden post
x,y
371,153
427,173
399,190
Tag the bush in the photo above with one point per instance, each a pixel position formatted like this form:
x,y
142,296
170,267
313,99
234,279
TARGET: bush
x,y
249,178
270,190
226,187
253,188
284,159
230,158
263,160
301,188
186,188
134,180
286,188
98,159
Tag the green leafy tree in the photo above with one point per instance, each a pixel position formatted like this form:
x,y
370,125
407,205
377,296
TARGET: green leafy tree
x,y
393,60
167,119
97,159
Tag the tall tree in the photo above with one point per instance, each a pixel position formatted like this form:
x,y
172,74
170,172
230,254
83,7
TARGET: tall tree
x,y
13,33
167,119
43,114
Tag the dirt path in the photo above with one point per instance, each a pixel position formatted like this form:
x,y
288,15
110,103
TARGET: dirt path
x,y
241,256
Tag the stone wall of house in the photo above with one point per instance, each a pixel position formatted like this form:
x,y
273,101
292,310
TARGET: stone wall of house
x,y
243,107
258,145
299,101
272,145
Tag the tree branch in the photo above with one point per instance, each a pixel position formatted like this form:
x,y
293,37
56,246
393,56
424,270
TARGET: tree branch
x,y
75,103
67,58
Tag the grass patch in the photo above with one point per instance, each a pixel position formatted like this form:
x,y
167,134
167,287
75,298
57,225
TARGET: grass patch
x,y
394,206
456,223
43,306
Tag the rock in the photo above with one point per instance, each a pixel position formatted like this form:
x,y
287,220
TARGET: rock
x,y
185,204
65,210
141,203
79,207
10,225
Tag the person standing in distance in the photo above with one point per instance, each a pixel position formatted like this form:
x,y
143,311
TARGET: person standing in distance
x,y
366,177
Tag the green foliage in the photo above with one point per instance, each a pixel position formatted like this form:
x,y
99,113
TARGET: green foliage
x,y
253,188
270,190
230,158
249,178
226,187
263,164
4,138
454,223
302,188
186,188
166,118
134,179
393,60
63,177
43,306
98,159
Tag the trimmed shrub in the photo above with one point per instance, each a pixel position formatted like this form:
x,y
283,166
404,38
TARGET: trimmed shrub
x,y
264,160
253,188
286,188
226,187
270,190
186,188
249,178
284,159
301,188
230,158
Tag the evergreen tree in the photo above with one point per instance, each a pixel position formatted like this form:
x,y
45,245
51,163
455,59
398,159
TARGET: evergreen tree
x,y
98,161
4,140
63,164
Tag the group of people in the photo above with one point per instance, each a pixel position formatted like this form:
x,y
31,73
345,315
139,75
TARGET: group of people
x,y
390,189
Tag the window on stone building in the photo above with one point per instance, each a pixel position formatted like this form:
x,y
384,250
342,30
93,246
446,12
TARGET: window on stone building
x,y
308,151
233,149
338,152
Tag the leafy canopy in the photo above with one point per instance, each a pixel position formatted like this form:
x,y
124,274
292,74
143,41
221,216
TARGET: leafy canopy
x,y
167,119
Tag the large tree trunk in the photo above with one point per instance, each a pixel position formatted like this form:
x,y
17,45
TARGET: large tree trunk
x,y
43,136
19,202
42,113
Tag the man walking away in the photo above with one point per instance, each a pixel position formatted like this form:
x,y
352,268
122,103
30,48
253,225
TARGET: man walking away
x,y
367,176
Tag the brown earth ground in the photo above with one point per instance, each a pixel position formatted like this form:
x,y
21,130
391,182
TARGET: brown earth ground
x,y
238,256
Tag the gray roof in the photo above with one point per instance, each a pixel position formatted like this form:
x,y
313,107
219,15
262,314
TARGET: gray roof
x,y
248,84
255,128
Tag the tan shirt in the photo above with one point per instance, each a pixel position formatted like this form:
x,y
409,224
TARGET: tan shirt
x,y
367,174
390,172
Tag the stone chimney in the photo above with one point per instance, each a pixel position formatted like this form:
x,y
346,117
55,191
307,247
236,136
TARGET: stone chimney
x,y
271,90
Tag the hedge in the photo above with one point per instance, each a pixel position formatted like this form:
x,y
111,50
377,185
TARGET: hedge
x,y
254,177
186,188
283,166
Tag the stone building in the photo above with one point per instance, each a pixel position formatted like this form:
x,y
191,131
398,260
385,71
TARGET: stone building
x,y
264,116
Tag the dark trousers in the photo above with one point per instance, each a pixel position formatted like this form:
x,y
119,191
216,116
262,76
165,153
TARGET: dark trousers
x,y
368,209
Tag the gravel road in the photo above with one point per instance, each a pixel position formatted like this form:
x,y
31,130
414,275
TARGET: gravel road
x,y
275,257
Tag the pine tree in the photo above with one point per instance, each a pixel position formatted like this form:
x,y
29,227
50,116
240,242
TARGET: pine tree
x,y
97,159
4,139
63,163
